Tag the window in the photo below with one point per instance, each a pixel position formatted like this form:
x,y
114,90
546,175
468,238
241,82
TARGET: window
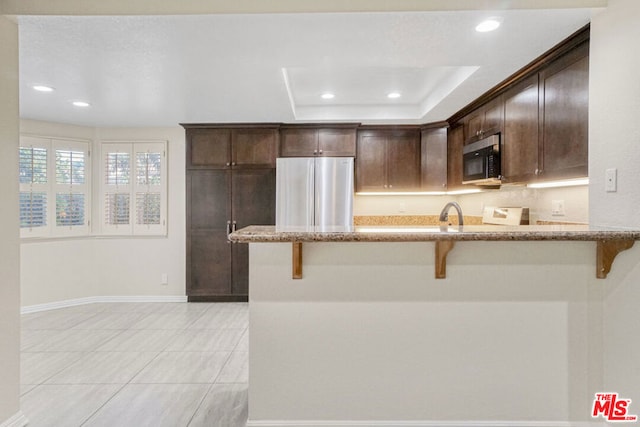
x,y
54,187
134,188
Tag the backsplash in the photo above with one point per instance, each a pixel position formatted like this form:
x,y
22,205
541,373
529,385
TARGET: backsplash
x,y
575,201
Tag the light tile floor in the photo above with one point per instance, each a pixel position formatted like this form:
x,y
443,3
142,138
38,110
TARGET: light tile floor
x,y
136,364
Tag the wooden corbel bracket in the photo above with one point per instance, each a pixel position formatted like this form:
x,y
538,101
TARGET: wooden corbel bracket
x,y
297,260
443,247
607,251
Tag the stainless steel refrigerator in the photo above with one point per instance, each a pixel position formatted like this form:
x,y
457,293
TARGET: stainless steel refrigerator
x,y
314,192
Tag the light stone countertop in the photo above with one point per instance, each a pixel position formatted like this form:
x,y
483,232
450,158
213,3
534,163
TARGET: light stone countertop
x,y
264,233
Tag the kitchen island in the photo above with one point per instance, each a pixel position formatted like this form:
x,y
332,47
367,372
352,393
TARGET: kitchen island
x,y
370,336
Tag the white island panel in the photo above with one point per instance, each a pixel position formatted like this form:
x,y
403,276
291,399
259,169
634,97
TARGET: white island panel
x,y
369,336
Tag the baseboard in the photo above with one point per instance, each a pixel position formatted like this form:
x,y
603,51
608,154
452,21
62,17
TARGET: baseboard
x,y
91,300
17,420
321,423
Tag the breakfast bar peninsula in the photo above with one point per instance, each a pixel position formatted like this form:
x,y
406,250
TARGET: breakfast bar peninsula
x,y
428,326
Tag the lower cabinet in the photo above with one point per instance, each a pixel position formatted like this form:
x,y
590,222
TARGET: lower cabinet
x,y
218,202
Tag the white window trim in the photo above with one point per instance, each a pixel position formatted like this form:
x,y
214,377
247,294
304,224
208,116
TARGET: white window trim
x,y
51,230
132,147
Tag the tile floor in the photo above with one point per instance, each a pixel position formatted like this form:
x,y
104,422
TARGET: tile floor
x,y
136,364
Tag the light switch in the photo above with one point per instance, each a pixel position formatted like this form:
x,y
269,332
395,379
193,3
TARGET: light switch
x,y
611,180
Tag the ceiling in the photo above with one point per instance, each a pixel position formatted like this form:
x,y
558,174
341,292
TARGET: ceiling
x,y
148,71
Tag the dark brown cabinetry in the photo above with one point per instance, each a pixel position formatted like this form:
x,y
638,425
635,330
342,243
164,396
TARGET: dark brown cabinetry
x,y
564,104
455,143
434,159
227,148
546,122
231,183
388,159
520,137
318,140
484,121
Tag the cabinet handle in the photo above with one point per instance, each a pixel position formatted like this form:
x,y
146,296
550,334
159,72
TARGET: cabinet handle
x,y
228,164
235,226
537,171
390,186
320,152
315,152
384,186
233,163
228,231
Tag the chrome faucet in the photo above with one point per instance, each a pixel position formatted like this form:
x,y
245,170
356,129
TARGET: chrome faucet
x,y
444,215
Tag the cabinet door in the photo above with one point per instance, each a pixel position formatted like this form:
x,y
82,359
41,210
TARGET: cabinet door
x,y
208,148
208,251
298,142
565,104
337,142
473,125
493,117
455,142
434,159
254,203
371,162
403,161
519,153
254,148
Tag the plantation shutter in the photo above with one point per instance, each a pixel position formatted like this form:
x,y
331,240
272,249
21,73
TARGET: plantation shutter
x,y
34,185
149,188
71,188
116,184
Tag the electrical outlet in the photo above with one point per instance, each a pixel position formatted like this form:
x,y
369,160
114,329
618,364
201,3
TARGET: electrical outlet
x,y
611,180
402,208
164,279
557,207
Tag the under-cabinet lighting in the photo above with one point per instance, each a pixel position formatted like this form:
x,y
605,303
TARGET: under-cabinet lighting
x,y
465,191
489,24
41,88
327,95
401,193
394,95
80,104
419,193
562,183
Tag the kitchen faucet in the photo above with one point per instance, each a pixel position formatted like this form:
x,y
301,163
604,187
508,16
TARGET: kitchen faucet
x,y
444,215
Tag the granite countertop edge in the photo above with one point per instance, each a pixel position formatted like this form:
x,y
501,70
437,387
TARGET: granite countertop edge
x,y
265,234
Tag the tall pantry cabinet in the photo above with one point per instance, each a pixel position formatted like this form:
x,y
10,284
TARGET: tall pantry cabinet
x,y
231,182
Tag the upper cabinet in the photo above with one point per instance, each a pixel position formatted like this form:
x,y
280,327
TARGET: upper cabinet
x,y
484,121
520,137
434,158
318,140
222,147
546,121
564,103
388,159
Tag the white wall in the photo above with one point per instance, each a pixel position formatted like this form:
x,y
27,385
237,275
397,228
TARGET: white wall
x,y
63,269
576,200
9,224
614,142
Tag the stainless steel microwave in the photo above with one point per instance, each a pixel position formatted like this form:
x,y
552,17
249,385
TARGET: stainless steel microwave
x,y
481,162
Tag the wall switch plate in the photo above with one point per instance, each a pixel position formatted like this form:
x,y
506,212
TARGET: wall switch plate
x,y
164,279
611,180
557,207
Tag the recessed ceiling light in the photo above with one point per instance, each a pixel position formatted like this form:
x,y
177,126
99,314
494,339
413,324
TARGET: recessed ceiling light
x,y
394,95
327,95
80,103
41,88
488,25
